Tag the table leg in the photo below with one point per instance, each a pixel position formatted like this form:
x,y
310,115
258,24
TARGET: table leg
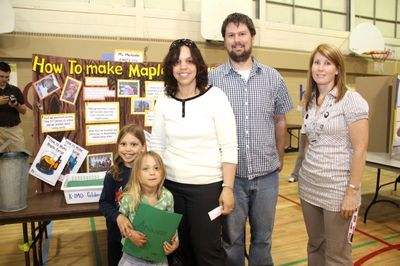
x,y
378,176
377,188
26,242
42,227
290,148
40,241
33,245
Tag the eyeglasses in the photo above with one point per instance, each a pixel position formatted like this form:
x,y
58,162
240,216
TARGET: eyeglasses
x,y
180,42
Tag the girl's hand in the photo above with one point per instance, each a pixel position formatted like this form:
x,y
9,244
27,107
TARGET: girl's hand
x,y
137,238
124,225
227,200
169,248
349,203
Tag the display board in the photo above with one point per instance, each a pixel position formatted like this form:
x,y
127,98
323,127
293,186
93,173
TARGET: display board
x,y
88,101
380,93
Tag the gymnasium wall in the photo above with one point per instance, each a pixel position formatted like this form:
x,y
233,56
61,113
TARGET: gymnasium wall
x,y
18,48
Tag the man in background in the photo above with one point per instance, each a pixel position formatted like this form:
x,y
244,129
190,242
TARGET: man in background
x,y
12,103
260,99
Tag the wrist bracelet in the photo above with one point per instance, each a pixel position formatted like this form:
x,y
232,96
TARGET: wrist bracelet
x,y
353,187
227,186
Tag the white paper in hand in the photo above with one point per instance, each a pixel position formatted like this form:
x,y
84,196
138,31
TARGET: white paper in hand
x,y
215,213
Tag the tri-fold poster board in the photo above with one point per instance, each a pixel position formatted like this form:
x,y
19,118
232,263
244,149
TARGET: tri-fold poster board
x,y
87,102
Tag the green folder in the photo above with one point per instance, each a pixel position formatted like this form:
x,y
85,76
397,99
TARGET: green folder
x,y
159,226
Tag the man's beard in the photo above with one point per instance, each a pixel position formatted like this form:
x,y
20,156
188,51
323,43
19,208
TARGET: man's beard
x,y
239,58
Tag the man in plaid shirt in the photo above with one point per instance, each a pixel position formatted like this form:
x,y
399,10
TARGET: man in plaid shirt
x,y
260,99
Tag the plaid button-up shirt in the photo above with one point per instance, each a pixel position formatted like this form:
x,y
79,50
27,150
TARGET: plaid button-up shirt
x,y
254,102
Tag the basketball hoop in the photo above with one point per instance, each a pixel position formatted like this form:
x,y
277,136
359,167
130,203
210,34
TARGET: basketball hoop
x,y
379,58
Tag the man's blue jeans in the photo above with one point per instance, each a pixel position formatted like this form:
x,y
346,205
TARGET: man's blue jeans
x,y
255,199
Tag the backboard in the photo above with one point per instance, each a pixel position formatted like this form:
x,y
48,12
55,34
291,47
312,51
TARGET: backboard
x,y
366,37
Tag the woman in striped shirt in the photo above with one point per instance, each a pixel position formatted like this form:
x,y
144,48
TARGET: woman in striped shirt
x,y
336,126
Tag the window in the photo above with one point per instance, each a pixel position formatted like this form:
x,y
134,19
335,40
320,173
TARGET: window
x,y
384,14
327,14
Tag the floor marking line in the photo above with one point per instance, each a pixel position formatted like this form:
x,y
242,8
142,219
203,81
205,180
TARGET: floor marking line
x,y
358,230
95,242
375,253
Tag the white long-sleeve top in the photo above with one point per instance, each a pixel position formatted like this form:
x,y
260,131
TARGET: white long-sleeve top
x,y
195,136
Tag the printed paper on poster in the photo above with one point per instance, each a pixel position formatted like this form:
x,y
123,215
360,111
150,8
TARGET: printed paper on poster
x,y
50,161
75,160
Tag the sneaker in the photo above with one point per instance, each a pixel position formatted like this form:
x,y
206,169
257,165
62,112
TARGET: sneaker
x,y
292,179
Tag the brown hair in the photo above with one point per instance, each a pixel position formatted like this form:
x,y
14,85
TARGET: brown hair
x,y
238,18
134,130
335,56
171,59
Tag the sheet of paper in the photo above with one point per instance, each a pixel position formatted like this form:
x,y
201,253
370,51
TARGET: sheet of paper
x,y
50,160
75,160
215,213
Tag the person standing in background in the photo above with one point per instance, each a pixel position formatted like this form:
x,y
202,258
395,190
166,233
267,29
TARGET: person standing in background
x,y
336,128
260,99
294,176
12,104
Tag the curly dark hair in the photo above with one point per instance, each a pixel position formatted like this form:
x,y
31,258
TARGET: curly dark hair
x,y
171,59
238,18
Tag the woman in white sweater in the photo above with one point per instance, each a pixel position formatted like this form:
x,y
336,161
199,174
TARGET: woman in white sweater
x,y
194,131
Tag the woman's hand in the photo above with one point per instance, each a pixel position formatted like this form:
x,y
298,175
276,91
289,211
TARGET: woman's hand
x,y
227,200
137,238
124,225
169,248
349,203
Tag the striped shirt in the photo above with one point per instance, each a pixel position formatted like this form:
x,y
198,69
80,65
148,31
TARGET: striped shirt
x,y
254,102
325,171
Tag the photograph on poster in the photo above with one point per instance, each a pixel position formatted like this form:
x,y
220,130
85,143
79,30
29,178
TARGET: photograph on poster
x,y
99,162
70,90
46,86
128,88
141,105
